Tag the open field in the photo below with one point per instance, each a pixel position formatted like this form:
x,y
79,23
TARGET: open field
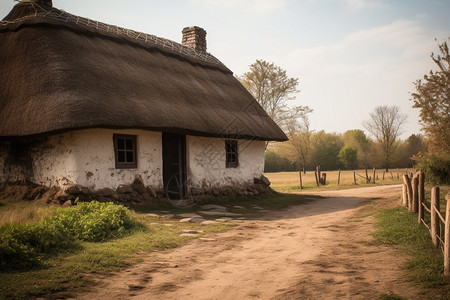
x,y
290,181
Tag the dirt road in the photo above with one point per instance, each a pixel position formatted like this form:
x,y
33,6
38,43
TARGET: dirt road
x,y
310,251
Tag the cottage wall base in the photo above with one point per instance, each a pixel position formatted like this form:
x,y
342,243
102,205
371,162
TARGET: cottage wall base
x,y
135,194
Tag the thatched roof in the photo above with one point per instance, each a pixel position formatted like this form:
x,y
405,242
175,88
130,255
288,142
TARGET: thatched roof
x,y
60,72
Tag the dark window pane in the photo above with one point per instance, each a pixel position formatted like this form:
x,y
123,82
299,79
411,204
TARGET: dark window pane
x,y
130,156
121,156
125,151
121,144
231,155
129,144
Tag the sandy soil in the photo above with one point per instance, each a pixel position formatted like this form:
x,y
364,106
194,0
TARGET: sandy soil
x,y
311,251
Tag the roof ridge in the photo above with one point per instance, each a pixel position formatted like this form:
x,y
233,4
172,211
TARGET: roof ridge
x,y
121,32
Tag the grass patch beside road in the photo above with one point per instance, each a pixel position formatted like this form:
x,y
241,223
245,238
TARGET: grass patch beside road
x,y
397,226
74,267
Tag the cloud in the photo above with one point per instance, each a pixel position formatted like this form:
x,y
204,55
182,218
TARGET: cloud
x,y
360,4
365,68
248,5
402,39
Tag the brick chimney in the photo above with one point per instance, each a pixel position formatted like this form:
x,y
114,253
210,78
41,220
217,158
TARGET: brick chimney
x,y
44,2
194,37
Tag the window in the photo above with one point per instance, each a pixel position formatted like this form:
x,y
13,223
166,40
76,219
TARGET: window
x,y
125,151
231,149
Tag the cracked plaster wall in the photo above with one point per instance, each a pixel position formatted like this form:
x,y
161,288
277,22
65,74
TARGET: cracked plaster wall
x,y
207,164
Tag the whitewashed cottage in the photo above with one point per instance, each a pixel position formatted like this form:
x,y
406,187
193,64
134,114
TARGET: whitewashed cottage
x,y
86,106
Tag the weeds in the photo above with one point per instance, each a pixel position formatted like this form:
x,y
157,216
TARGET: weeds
x,y
397,226
23,245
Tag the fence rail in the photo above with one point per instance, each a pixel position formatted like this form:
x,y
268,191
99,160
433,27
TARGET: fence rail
x,y
413,197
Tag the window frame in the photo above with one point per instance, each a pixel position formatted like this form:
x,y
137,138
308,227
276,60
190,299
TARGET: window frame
x,y
229,152
125,164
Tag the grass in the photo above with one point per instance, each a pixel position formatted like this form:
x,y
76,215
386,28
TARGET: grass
x,y
397,226
290,181
391,296
77,268
22,212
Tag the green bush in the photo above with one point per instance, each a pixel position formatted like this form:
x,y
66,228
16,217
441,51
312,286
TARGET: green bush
x,y
14,254
436,168
94,221
22,244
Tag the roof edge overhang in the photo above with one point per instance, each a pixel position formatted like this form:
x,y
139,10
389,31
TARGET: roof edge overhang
x,y
166,130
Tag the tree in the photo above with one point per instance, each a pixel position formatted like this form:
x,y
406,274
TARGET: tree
x,y
432,97
385,125
357,139
325,150
272,88
415,145
348,156
275,163
300,133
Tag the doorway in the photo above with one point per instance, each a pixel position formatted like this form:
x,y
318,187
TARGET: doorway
x,y
174,165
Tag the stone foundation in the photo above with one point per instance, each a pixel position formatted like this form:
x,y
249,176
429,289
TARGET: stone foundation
x,y
134,194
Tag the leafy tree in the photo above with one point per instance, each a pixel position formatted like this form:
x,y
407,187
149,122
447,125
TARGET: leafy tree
x,y
272,88
348,156
357,139
325,150
432,97
274,162
300,133
385,124
415,144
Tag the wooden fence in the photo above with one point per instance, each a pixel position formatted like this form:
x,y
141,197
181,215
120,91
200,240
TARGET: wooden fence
x,y
413,197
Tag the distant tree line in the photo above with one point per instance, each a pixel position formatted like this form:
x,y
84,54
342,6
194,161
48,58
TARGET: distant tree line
x,y
351,150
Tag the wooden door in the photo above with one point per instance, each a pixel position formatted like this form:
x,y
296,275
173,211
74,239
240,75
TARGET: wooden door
x,y
174,165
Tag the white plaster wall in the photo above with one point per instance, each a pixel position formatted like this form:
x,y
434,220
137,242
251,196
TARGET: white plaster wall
x,y
95,163
54,160
86,157
206,162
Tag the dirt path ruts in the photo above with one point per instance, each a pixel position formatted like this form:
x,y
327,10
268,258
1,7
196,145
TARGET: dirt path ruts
x,y
310,251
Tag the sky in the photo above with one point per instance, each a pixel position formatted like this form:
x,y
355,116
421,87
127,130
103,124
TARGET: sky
x,y
349,55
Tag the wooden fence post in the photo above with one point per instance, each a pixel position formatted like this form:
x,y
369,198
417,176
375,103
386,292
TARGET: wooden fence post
x,y
404,196
447,237
367,177
407,182
434,217
421,195
422,186
374,175
354,177
317,178
339,176
415,197
324,178
300,174
383,174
